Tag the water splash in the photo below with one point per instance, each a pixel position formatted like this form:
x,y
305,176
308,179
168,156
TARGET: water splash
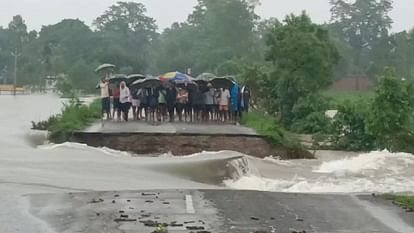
x,y
379,171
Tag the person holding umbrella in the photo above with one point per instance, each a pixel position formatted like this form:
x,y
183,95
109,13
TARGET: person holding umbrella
x,y
171,98
106,104
115,102
125,100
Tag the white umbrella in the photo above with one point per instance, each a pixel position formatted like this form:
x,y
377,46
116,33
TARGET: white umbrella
x,y
104,67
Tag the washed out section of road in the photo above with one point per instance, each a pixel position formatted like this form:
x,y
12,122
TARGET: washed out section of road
x,y
212,211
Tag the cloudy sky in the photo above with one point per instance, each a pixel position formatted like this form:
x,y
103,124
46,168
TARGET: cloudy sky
x,y
45,12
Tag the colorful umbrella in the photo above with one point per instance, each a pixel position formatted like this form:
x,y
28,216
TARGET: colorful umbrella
x,y
176,77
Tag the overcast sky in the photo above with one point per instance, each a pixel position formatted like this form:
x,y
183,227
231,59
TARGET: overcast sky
x,y
45,12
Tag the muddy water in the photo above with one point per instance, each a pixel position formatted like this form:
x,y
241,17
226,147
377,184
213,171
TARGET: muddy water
x,y
27,166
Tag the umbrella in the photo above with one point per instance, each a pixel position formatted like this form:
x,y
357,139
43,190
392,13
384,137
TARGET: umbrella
x,y
146,83
134,77
190,85
175,77
231,78
118,78
222,82
104,67
205,77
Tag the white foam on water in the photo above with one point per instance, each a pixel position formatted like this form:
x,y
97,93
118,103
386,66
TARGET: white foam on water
x,y
79,146
379,171
381,161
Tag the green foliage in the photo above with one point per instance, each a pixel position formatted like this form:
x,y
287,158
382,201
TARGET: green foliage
x,y
215,33
403,201
268,126
385,122
309,115
337,98
349,127
364,26
75,116
303,57
392,116
65,87
82,76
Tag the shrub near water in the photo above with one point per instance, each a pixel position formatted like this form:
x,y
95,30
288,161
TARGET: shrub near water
x,y
75,116
267,126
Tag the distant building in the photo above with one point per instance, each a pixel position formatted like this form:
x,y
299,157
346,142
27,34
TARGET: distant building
x,y
353,83
52,81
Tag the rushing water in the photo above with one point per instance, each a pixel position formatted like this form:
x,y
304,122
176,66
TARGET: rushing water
x,y
27,166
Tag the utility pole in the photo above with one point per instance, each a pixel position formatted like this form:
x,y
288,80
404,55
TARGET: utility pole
x,y
15,55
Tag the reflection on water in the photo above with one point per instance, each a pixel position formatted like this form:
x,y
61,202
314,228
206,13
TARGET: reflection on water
x,y
27,168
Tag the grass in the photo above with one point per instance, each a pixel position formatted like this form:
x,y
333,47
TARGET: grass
x,y
75,116
406,202
267,126
338,97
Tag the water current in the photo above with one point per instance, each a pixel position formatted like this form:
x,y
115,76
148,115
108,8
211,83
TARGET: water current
x,y
28,164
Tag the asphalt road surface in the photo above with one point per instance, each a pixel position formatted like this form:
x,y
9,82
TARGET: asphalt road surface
x,y
206,211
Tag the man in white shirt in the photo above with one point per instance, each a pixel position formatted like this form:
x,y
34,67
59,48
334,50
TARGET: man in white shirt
x,y
106,104
224,103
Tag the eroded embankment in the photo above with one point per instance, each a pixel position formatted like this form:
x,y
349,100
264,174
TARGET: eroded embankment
x,y
187,144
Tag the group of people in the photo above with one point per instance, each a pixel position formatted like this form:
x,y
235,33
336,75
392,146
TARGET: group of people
x,y
171,102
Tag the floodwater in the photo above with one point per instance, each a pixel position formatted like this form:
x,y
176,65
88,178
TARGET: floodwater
x,y
29,165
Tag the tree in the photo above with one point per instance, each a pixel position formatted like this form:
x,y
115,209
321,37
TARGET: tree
x,y
364,25
303,57
402,54
133,31
223,30
392,113
18,30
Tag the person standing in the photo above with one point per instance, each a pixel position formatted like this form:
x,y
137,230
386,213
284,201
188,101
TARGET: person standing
x,y
182,100
135,105
125,100
153,102
162,104
235,103
209,101
116,104
171,98
106,104
246,98
224,103
216,106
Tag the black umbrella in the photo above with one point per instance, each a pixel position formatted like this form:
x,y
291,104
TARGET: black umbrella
x,y
222,82
190,85
118,78
231,78
146,83
134,77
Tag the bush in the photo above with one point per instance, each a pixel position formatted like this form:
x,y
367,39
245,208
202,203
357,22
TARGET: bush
x,y
75,116
392,114
268,127
349,127
385,122
309,115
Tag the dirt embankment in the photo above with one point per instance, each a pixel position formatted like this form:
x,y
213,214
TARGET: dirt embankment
x,y
187,144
